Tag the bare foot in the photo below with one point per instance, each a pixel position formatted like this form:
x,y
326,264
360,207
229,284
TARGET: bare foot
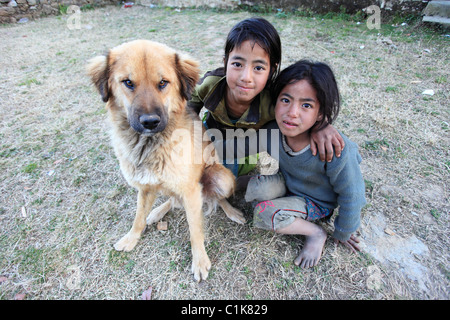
x,y
312,251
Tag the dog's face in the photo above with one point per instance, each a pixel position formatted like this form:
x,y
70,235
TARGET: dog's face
x,y
146,80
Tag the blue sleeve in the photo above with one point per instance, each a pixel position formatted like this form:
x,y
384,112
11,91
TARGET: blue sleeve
x,y
347,181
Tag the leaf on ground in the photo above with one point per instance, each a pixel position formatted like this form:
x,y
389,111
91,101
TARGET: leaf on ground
x,y
162,225
147,294
19,296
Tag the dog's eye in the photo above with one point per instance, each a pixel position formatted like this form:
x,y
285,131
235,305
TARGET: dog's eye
x,y
129,84
162,84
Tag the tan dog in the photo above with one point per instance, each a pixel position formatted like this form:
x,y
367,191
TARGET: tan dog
x,y
146,86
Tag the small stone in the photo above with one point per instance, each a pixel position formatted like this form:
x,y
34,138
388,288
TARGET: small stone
x,y
162,225
389,231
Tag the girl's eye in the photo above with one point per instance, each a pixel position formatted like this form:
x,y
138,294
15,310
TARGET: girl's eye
x,y
128,83
284,100
162,84
236,64
307,106
259,68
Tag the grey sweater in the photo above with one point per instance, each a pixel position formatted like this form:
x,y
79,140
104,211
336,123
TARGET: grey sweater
x,y
338,183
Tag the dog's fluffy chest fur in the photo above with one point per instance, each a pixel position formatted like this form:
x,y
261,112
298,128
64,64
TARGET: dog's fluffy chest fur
x,y
144,160
134,152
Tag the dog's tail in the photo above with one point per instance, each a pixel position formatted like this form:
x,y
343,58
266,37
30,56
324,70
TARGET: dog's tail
x,y
218,182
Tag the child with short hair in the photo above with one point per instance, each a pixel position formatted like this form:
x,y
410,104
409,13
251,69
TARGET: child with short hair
x,y
307,96
238,96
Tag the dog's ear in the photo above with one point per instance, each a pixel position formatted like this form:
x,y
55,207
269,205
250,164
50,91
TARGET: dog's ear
x,y
98,70
188,74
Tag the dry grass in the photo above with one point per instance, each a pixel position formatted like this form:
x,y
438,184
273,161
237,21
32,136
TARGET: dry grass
x,y
64,203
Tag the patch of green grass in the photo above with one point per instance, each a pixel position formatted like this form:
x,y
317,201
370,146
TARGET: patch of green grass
x,y
375,144
441,80
87,7
30,168
63,8
29,82
119,259
435,213
8,152
36,262
369,186
361,130
78,180
428,170
129,266
391,89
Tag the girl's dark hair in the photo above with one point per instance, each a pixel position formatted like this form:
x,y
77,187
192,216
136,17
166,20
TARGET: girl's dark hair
x,y
261,32
320,76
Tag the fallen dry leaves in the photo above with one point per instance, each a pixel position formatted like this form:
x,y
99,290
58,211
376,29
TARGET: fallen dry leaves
x,y
147,294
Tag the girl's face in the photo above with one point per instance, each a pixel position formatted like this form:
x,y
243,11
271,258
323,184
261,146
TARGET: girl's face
x,y
248,70
297,110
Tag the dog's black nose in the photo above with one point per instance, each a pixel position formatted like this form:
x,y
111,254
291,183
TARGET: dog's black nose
x,y
149,122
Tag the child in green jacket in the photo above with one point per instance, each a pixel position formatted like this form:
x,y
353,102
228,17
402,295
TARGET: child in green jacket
x,y
238,96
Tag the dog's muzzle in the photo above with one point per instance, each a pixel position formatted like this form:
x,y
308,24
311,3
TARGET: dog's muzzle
x,y
148,124
150,121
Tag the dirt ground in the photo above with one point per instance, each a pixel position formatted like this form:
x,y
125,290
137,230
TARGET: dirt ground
x,y
64,203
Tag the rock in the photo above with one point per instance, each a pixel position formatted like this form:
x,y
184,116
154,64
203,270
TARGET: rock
x,y
47,9
12,4
428,92
6,11
390,249
389,191
433,193
162,225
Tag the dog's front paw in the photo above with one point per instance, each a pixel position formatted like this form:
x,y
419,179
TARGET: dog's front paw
x,y
127,243
200,267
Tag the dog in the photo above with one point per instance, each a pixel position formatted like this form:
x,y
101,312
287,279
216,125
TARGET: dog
x,y
146,86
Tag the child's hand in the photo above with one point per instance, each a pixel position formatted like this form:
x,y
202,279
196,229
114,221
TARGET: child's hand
x,y
351,243
324,140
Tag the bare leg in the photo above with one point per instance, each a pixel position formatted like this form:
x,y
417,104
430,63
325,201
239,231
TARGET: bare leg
x,y
315,240
146,197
